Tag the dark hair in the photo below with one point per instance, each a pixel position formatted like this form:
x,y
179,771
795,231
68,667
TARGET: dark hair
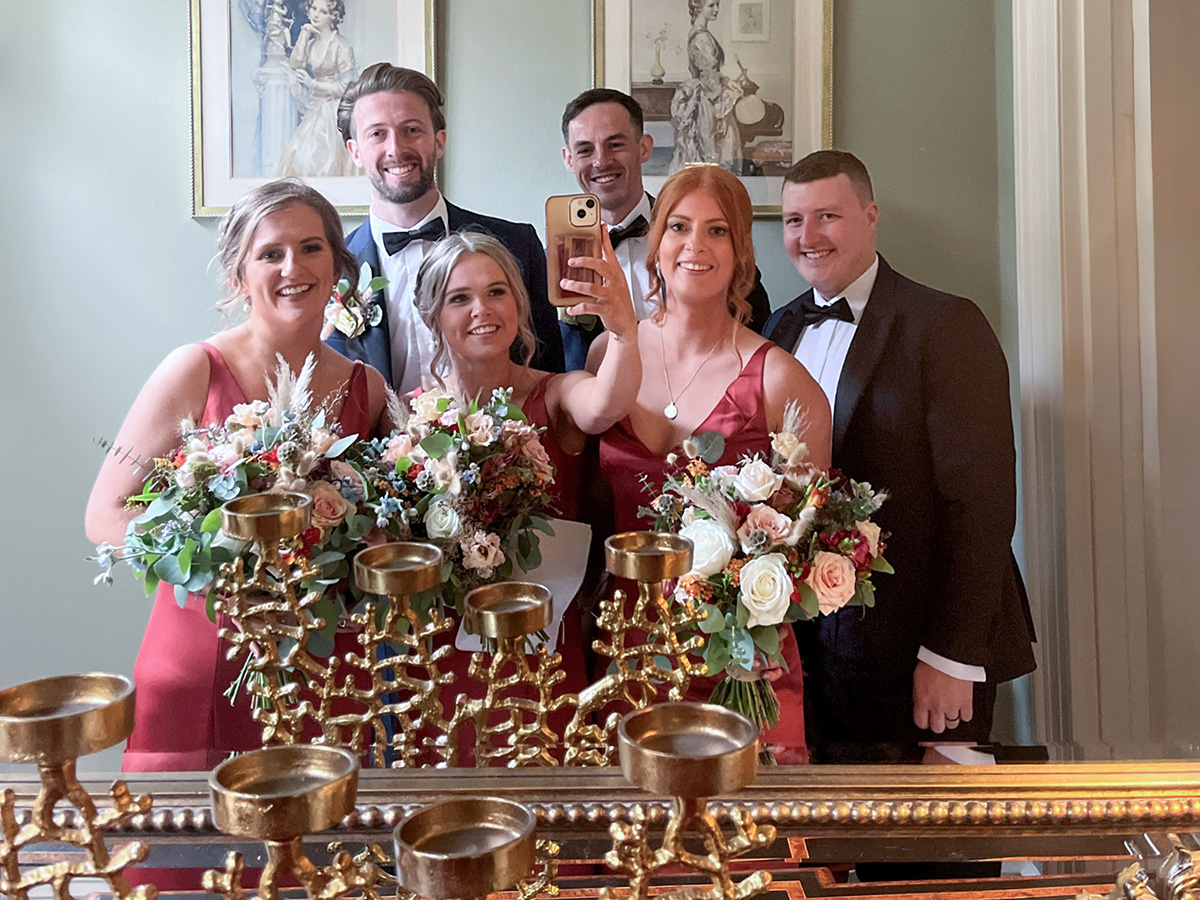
x,y
732,197
434,274
236,230
821,164
602,95
384,78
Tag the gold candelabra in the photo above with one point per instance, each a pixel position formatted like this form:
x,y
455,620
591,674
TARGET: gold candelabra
x,y
52,723
466,848
688,751
384,698
279,795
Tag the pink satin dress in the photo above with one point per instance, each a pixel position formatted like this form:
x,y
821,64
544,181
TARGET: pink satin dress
x,y
182,722
739,415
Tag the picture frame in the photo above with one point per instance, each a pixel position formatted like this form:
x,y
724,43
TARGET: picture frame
x,y
763,97
265,86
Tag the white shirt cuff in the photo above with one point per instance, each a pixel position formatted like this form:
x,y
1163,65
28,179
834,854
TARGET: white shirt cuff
x,y
962,755
949,667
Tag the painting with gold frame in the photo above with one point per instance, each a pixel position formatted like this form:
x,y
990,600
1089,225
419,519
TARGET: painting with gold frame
x,y
266,78
748,87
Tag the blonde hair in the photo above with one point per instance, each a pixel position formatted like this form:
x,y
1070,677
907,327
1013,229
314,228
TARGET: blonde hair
x,y
434,275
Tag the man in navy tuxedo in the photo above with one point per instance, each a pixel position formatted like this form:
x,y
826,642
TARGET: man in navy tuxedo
x,y
919,389
391,119
604,147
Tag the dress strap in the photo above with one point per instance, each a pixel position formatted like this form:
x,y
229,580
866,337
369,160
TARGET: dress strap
x,y
355,417
224,392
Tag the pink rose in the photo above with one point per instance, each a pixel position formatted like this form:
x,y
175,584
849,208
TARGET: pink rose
x,y
515,434
533,451
399,446
322,440
763,518
329,507
871,532
832,579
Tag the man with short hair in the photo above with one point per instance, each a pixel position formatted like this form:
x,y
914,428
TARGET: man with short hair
x,y
919,390
604,148
391,119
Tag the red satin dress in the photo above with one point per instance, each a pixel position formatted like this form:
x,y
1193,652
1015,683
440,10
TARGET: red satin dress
x,y
739,415
182,722
564,493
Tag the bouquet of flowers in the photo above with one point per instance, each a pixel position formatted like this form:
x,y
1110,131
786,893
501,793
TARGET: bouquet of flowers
x,y
350,312
281,444
773,543
470,477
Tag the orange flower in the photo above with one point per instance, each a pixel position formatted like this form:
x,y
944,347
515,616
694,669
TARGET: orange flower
x,y
735,571
698,468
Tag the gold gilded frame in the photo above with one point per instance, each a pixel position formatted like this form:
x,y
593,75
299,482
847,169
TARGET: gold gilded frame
x,y
616,12
1005,801
203,204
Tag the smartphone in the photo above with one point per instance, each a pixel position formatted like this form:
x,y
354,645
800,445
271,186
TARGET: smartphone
x,y
572,229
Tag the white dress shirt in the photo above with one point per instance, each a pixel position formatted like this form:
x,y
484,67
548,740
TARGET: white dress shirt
x,y
412,341
822,349
632,257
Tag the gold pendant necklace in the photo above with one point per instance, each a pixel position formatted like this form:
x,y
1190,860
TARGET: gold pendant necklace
x,y
671,410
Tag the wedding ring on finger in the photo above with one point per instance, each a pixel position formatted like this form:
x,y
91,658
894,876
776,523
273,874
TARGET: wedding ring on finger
x,y
953,722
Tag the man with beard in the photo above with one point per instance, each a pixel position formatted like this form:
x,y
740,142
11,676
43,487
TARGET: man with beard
x,y
604,148
391,119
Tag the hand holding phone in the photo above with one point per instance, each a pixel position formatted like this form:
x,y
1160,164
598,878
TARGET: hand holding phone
x,y
572,230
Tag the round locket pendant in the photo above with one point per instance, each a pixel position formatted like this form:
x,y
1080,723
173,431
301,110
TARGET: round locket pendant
x,y
671,410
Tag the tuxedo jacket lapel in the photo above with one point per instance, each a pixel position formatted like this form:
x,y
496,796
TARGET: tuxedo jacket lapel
x,y
866,349
786,332
375,344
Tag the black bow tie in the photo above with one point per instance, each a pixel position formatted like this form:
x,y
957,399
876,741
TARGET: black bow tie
x,y
395,241
812,314
639,227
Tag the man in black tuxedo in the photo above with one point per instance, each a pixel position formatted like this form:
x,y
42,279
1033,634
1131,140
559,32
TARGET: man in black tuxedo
x,y
919,390
391,119
604,148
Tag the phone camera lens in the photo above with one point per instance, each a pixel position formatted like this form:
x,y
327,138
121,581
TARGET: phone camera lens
x,y
580,214
591,204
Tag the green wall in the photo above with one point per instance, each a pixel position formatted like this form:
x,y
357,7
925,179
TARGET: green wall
x,y
106,272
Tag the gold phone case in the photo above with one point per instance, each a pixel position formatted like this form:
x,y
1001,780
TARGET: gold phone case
x,y
572,229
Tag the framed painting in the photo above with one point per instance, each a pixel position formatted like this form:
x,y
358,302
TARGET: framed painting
x,y
266,79
744,84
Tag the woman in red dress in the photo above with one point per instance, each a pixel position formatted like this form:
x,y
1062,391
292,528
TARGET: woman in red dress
x,y
471,295
282,251
704,370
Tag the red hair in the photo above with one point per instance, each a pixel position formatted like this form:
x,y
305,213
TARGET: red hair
x,y
732,197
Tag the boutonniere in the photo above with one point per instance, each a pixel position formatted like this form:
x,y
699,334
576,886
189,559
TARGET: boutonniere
x,y
587,321
351,312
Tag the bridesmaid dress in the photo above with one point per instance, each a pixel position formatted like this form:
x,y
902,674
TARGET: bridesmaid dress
x,y
740,415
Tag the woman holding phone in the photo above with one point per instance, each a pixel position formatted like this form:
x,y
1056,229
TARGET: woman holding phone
x,y
704,371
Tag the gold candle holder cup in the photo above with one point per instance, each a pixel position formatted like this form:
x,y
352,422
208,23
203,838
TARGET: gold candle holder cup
x,y
466,847
398,569
508,609
56,720
648,556
688,750
282,793
267,518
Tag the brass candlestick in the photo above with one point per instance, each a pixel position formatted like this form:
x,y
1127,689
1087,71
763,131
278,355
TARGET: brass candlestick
x,y
639,640
511,719
689,751
406,673
52,723
465,848
279,795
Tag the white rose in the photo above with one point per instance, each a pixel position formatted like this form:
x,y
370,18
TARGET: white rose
x,y
756,482
442,520
871,532
425,405
479,429
712,546
792,451
766,589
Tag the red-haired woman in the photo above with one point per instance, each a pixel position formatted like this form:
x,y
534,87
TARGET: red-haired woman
x,y
704,370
